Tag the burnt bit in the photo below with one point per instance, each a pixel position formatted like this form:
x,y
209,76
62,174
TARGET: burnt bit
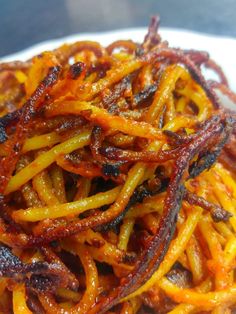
x,y
209,135
217,213
151,258
117,91
5,121
139,51
9,263
16,147
97,138
50,79
76,69
180,276
120,155
204,162
129,257
111,170
165,54
43,283
176,139
208,158
33,302
25,116
69,123
38,275
146,189
144,94
3,134
51,257
100,68
113,109
228,154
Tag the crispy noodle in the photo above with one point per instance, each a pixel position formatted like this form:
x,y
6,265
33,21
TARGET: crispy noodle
x,y
117,181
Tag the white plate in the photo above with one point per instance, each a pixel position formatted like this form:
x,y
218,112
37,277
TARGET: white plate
x,y
221,49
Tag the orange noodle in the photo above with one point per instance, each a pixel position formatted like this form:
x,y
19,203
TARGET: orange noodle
x,y
117,181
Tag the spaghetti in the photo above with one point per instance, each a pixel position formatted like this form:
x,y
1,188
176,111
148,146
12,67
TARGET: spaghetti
x,y
117,181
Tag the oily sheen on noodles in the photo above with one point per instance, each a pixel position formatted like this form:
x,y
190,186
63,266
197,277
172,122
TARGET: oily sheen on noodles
x,y
117,181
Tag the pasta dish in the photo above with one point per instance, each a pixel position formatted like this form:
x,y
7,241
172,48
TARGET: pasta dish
x,y
117,181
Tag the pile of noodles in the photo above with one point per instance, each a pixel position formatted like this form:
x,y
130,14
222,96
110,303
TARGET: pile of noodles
x,y
117,182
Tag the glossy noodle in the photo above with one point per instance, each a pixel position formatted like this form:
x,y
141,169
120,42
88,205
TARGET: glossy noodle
x,y
117,181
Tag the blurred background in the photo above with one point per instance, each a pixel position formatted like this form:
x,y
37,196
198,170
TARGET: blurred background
x,y
26,22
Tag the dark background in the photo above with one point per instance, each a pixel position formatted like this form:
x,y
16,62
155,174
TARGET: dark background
x,y
26,22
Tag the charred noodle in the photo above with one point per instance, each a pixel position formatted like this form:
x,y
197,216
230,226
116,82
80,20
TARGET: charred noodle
x,y
117,181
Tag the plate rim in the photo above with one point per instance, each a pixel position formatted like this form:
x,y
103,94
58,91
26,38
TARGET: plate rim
x,y
142,30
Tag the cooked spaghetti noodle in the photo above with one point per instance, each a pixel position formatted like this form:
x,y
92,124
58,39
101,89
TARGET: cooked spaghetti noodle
x,y
117,181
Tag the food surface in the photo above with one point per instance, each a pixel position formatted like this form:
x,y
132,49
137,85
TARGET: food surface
x,y
117,181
